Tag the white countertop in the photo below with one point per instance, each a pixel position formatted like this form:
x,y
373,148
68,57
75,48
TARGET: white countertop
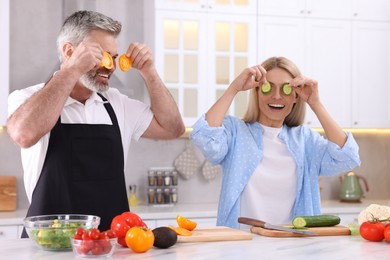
x,y
340,247
201,210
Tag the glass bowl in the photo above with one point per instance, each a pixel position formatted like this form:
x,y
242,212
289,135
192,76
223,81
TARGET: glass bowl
x,y
54,232
94,248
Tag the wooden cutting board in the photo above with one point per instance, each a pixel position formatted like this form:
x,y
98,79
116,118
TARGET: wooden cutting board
x,y
212,234
320,231
7,193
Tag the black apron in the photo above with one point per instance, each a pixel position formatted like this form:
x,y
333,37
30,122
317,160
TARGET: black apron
x,y
83,172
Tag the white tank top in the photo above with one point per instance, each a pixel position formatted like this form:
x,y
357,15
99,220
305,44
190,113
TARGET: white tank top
x,y
270,192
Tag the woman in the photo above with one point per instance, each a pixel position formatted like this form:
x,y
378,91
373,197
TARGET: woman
x,y
271,162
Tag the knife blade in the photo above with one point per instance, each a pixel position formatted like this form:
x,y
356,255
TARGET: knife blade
x,y
260,223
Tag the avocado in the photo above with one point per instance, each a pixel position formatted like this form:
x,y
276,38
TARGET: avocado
x,y
164,237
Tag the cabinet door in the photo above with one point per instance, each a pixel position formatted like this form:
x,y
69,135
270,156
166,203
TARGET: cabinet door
x,y
371,10
334,9
280,36
370,75
220,6
180,56
327,60
9,232
282,7
231,49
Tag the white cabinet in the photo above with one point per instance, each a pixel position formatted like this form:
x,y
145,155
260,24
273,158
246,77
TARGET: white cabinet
x,y
4,61
198,52
370,74
11,232
321,49
330,43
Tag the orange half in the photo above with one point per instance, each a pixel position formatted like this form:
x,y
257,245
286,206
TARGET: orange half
x,y
125,63
185,223
107,61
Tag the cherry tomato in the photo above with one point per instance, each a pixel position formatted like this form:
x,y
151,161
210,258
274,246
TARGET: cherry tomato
x,y
139,239
94,233
372,231
79,233
110,233
97,249
386,233
133,219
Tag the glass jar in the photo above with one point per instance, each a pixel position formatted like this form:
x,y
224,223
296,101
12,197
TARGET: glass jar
x,y
160,179
151,178
159,197
167,178
174,178
167,196
174,195
151,196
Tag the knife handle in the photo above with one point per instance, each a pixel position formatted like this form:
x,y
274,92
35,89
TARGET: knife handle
x,y
251,221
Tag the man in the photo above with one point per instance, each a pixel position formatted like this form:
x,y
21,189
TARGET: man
x,y
75,131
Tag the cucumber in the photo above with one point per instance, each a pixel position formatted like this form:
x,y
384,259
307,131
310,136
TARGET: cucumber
x,y
266,88
316,221
287,89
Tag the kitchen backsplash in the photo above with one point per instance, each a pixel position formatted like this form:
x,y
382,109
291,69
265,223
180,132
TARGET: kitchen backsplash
x,y
375,167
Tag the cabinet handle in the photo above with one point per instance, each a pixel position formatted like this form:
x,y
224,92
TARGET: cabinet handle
x,y
308,12
355,123
355,14
1,233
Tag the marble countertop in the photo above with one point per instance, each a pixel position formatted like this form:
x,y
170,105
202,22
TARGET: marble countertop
x,y
340,247
201,210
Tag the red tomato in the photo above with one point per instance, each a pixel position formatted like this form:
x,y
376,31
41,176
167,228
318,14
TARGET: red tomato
x,y
120,226
110,233
372,231
386,233
79,233
139,239
94,233
97,249
133,219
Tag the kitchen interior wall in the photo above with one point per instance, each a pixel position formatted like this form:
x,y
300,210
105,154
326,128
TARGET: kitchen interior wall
x,y
34,27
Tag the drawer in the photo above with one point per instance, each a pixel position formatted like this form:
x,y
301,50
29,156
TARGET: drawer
x,y
9,232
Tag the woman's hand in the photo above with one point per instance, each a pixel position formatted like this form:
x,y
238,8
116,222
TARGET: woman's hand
x,y
249,78
307,89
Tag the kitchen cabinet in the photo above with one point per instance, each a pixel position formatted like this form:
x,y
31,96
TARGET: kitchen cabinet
x,y
200,50
370,74
329,43
5,59
11,231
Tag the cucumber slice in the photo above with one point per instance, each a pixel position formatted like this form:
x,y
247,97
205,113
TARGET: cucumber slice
x,y
287,89
266,88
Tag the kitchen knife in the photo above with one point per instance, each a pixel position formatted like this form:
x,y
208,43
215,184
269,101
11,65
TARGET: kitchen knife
x,y
260,223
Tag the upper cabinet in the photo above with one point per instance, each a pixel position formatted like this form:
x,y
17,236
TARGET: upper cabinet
x,y
201,46
4,61
199,51
331,44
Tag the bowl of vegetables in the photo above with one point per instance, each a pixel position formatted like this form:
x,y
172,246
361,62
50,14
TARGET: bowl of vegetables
x,y
93,243
54,232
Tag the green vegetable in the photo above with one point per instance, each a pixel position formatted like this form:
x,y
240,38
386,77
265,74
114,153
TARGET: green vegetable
x,y
266,88
287,89
56,237
316,221
355,229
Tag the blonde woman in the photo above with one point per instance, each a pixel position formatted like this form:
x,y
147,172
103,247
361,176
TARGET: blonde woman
x,y
270,160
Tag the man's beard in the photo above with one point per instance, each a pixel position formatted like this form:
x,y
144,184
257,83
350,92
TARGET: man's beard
x,y
90,81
